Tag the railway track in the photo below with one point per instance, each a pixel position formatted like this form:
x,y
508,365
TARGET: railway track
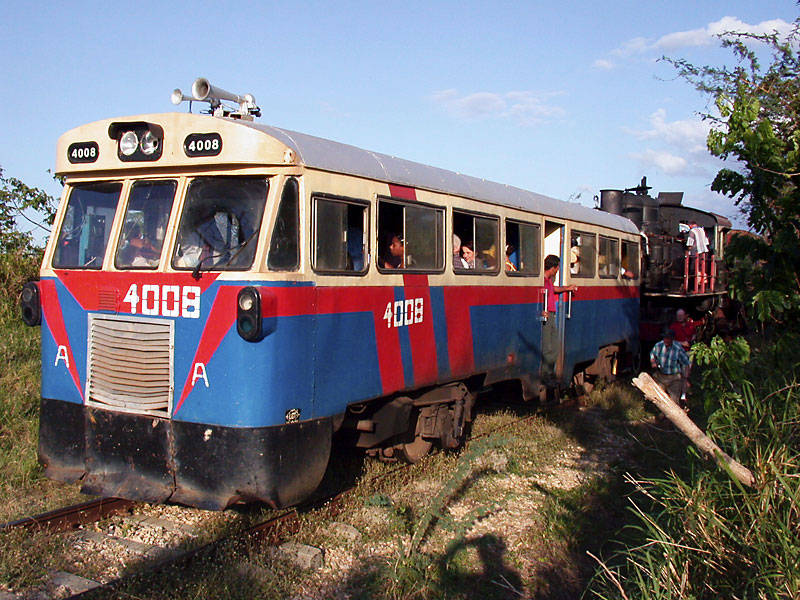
x,y
155,557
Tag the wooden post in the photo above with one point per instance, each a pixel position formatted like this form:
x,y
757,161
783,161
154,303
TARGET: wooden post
x,y
674,413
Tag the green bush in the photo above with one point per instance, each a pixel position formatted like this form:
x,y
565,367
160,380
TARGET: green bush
x,y
706,536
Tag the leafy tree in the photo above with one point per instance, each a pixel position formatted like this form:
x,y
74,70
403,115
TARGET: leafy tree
x,y
15,199
757,127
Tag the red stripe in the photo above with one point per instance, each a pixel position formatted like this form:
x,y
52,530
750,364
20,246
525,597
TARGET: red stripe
x,y
402,191
220,319
51,308
423,341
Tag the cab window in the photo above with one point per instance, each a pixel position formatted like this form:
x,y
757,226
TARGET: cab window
x,y
284,249
340,243
220,223
146,216
85,230
478,236
522,251
582,254
411,237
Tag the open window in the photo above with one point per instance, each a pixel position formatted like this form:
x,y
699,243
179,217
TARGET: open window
x,y
523,248
340,238
608,258
284,248
86,227
479,243
582,249
630,260
145,223
220,223
410,236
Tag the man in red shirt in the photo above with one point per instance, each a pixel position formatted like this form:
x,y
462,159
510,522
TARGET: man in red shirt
x,y
551,346
685,329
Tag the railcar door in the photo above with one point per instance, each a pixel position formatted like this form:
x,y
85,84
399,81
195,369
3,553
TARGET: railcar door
x,y
552,363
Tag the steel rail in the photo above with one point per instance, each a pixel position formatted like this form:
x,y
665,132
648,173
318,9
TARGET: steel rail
x,y
71,517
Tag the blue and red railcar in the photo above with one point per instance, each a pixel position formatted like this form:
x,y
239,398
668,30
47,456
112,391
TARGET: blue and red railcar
x,y
218,298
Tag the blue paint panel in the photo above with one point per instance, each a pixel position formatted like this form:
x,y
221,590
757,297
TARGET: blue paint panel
x,y
405,343
347,367
253,384
440,331
500,330
598,323
57,381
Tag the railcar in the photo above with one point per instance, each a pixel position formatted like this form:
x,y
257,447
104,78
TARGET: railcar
x,y
219,297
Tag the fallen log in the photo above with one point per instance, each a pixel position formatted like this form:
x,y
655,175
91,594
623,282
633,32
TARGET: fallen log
x,y
656,394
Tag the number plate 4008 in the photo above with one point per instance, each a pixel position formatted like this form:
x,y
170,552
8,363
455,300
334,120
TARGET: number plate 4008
x,y
404,312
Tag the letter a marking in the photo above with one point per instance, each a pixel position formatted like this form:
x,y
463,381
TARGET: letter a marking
x,y
199,372
62,355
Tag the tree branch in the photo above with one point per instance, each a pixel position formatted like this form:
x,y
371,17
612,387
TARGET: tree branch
x,y
674,413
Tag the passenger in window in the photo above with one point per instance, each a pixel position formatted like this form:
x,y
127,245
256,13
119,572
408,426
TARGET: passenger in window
x,y
394,254
138,251
511,258
203,244
355,249
456,251
467,255
575,257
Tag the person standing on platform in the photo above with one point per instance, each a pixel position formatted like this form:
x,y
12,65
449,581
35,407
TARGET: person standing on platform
x,y
551,344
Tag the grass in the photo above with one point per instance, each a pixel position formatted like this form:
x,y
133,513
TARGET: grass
x,y
510,516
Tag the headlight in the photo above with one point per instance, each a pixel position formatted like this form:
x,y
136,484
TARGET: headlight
x,y
246,302
248,315
149,143
128,143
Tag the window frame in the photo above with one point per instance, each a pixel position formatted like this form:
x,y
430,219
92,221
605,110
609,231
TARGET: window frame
x,y
347,200
480,215
109,241
616,242
298,228
440,242
539,260
164,241
268,181
579,274
638,263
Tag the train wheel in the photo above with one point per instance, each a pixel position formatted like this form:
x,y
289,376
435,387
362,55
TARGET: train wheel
x,y
415,451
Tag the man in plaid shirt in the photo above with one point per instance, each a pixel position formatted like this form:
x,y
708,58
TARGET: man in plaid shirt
x,y
672,364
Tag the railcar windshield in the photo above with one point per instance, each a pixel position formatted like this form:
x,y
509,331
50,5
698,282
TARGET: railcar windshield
x,y
86,227
145,223
220,223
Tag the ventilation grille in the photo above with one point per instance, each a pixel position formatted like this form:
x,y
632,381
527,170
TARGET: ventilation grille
x,y
130,364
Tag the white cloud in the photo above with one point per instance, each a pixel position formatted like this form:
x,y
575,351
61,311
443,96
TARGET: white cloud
x,y
603,64
523,107
689,135
703,36
675,147
662,160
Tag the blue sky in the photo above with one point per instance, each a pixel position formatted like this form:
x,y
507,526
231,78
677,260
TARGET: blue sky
x,y
562,98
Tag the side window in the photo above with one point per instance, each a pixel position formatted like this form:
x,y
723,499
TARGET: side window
x,y
522,252
146,217
84,232
284,247
478,238
410,236
630,260
582,250
220,223
608,257
339,242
